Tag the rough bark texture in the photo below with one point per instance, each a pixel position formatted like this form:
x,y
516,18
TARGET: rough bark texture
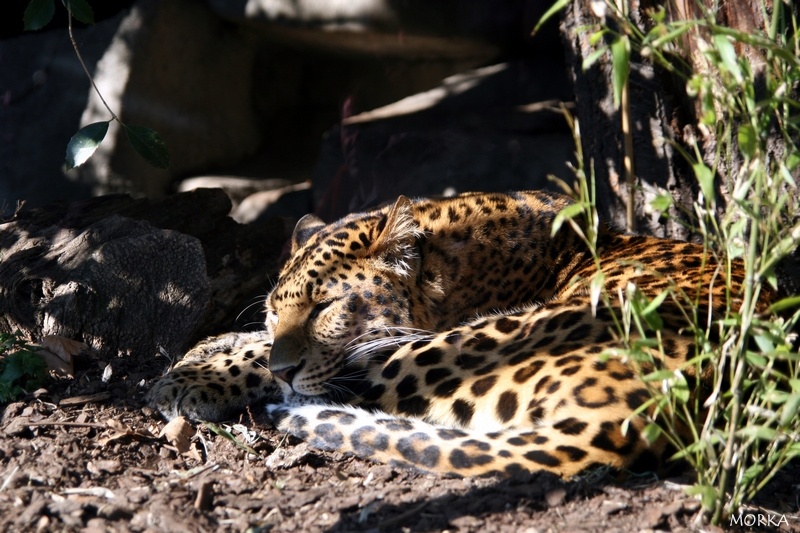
x,y
661,115
657,115
132,276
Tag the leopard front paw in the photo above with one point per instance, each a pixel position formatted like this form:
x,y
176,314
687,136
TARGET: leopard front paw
x,y
217,386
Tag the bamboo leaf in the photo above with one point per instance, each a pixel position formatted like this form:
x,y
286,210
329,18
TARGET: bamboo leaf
x,y
763,433
661,203
592,58
747,140
568,213
706,180
728,56
555,8
621,65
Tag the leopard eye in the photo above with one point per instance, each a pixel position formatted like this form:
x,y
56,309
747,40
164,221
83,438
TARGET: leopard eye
x,y
319,308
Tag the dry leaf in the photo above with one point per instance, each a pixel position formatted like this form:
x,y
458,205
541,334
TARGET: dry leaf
x,y
55,363
120,430
58,353
62,346
178,432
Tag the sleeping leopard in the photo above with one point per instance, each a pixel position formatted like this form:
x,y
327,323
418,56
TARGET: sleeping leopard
x,y
459,336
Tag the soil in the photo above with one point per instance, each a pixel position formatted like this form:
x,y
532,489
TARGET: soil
x,y
85,455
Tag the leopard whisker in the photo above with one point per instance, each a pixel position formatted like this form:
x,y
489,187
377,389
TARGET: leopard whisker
x,y
258,300
370,349
340,384
389,331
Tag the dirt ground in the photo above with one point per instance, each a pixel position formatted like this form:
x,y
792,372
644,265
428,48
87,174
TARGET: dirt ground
x,y
85,455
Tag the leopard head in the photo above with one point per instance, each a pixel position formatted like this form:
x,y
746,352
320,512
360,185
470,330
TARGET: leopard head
x,y
347,281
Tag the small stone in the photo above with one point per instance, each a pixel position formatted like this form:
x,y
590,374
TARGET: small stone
x,y
555,496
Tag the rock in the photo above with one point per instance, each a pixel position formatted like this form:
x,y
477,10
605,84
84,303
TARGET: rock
x,y
292,201
489,129
237,188
132,276
177,68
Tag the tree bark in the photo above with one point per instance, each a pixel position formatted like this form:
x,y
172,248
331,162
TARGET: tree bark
x,y
661,114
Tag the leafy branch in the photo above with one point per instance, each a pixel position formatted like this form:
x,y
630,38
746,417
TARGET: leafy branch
x,y
145,141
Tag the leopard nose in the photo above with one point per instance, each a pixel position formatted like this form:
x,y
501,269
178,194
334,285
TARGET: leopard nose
x,y
287,373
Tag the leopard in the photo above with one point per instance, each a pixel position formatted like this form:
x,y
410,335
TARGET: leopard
x,y
464,336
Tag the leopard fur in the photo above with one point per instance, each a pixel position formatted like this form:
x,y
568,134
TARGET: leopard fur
x,y
458,336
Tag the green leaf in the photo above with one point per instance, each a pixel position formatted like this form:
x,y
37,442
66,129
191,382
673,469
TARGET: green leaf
x,y
596,36
13,369
656,302
752,473
650,312
708,106
758,432
764,343
672,35
679,388
148,144
736,235
747,140
728,56
653,320
38,14
707,493
620,62
661,203
81,10
222,432
755,359
785,303
658,14
658,375
706,180
793,160
568,213
83,144
21,369
652,432
592,58
33,364
555,8
9,392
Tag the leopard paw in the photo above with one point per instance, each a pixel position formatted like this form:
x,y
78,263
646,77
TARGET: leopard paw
x,y
215,386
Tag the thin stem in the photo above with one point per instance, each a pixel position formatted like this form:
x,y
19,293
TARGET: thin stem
x,y
628,156
83,64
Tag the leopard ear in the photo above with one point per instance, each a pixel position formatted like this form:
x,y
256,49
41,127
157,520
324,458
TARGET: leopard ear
x,y
305,228
397,232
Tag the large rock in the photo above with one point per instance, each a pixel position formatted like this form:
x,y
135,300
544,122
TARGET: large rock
x,y
133,276
497,128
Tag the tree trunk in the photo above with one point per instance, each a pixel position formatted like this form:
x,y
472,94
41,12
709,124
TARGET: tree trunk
x,y
662,116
